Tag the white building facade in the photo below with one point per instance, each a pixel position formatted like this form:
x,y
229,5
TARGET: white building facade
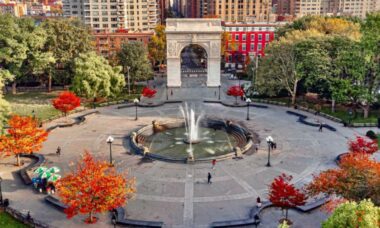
x,y
111,15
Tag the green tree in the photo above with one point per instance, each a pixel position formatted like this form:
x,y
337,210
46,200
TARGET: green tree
x,y
4,106
157,45
287,63
354,215
13,47
94,77
134,55
66,39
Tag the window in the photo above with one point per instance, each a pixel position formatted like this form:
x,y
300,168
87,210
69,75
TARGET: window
x,y
260,37
244,37
259,47
266,37
237,37
252,47
243,47
230,58
230,37
252,36
229,47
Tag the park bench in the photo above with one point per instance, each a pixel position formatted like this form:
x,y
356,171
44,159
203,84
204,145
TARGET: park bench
x,y
232,223
55,202
120,220
39,160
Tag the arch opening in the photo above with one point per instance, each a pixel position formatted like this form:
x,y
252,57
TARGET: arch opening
x,y
194,66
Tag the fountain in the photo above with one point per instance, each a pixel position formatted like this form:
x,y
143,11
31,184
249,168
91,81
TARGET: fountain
x,y
191,138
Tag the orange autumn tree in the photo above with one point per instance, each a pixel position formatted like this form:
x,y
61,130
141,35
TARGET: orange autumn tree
x,y
94,187
22,137
66,102
356,179
285,195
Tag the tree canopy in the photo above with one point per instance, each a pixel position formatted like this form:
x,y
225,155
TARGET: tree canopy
x,y
363,214
157,45
134,55
94,77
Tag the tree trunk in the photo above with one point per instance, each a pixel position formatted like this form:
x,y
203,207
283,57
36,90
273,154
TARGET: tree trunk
x,y
286,214
333,105
49,83
14,89
90,217
294,93
18,160
366,111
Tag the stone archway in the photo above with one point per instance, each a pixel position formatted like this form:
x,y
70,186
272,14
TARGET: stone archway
x,y
203,32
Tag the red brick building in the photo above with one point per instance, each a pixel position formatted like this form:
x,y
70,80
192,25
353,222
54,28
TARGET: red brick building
x,y
248,39
108,44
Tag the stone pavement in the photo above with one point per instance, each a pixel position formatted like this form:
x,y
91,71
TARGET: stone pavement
x,y
178,194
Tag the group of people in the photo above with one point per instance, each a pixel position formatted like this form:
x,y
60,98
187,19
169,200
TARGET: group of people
x,y
41,184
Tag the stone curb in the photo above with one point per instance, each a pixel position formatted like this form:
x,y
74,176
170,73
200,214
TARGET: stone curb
x,y
77,120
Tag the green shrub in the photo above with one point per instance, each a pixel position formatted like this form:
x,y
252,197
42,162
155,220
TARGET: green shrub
x,y
370,134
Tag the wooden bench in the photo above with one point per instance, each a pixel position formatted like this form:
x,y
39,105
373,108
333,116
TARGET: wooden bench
x,y
232,223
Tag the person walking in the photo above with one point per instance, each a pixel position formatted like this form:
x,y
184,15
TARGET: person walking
x,y
209,178
320,126
258,202
58,151
213,162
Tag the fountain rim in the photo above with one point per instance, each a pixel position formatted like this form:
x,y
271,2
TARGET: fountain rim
x,y
141,149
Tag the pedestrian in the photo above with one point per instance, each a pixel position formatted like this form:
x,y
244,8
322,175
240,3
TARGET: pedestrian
x,y
209,178
320,126
258,202
213,163
58,151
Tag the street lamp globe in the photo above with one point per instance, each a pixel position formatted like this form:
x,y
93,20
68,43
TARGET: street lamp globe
x,y
136,101
269,139
248,100
110,139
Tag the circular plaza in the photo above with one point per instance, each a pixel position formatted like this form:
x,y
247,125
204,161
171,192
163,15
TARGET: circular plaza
x,y
177,194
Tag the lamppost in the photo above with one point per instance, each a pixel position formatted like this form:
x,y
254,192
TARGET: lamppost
x,y
113,220
349,116
136,101
110,141
129,83
33,114
167,92
219,91
1,193
269,140
248,100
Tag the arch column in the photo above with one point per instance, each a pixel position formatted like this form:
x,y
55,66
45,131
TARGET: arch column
x,y
174,72
213,72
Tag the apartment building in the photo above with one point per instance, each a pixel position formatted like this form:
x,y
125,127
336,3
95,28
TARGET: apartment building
x,y
243,10
299,8
111,15
14,8
248,40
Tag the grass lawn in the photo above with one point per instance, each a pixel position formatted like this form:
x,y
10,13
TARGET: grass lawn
x,y
340,112
24,103
7,221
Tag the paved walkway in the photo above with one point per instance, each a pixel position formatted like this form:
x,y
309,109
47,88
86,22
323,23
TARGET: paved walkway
x,y
178,194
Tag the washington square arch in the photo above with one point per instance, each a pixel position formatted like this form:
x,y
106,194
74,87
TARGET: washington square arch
x,y
180,33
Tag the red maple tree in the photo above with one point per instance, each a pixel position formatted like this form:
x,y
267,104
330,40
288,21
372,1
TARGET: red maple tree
x,y
94,187
235,91
283,194
66,101
356,178
22,136
362,145
148,92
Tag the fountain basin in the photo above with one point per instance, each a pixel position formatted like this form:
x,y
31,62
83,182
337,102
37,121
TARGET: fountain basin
x,y
217,140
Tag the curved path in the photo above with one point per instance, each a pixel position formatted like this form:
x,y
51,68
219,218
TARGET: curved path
x,y
178,194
